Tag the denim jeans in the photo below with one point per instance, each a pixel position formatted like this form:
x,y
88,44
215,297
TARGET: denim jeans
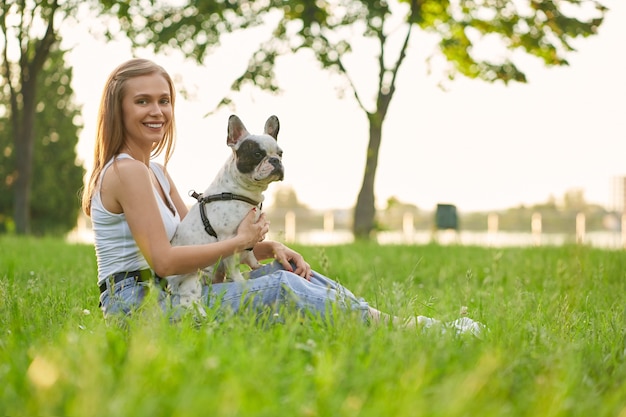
x,y
270,286
127,296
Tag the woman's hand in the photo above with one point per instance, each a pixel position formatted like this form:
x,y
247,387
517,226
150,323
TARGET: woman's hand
x,y
286,256
253,231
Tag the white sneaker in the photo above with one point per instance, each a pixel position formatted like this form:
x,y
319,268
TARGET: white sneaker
x,y
467,325
426,322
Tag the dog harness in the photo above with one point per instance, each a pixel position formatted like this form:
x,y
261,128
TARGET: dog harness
x,y
202,201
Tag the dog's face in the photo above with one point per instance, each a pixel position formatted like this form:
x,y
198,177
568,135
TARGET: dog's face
x,y
257,157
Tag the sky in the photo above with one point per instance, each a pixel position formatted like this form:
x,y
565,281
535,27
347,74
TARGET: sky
x,y
477,145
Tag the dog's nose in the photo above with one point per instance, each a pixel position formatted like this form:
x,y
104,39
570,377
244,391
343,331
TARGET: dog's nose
x,y
278,167
274,161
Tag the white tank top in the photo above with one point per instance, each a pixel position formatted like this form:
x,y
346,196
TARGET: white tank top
x,y
116,250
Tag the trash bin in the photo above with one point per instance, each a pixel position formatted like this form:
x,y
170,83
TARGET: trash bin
x,y
446,217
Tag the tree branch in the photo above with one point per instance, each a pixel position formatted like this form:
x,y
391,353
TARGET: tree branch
x,y
401,57
344,71
42,49
8,74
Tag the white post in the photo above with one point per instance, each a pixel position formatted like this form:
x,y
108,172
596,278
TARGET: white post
x,y
492,226
535,227
580,228
329,222
407,227
624,230
290,227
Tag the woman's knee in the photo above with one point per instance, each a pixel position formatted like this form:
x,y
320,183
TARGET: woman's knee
x,y
291,281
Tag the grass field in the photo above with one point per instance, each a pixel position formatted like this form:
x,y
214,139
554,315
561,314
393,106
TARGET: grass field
x,y
555,347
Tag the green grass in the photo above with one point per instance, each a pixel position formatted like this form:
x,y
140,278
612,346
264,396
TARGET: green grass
x,y
556,343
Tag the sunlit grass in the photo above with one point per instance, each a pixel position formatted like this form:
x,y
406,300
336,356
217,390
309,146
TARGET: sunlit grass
x,y
555,345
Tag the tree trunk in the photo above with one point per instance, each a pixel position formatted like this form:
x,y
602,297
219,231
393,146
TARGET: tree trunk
x,y
24,145
32,59
365,210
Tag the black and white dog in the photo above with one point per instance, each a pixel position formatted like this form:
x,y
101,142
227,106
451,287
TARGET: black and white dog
x,y
256,162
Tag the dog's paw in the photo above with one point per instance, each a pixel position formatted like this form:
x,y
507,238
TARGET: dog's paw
x,y
237,276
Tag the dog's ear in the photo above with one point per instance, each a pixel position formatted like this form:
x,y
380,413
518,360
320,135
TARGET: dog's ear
x,y
236,130
272,126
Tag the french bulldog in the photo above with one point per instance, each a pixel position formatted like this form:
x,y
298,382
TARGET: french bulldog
x,y
255,163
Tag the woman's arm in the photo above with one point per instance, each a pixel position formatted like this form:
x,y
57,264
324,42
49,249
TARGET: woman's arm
x,y
130,186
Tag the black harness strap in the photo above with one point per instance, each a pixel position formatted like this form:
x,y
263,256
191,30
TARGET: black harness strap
x,y
202,201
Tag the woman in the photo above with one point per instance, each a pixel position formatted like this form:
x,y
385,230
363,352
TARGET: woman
x,y
135,209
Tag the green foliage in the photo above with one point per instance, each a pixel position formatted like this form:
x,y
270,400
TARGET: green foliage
x,y
555,344
193,27
543,29
57,177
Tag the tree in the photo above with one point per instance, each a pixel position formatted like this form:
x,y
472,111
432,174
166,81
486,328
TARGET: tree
x,y
574,199
29,34
55,135
285,197
539,28
29,29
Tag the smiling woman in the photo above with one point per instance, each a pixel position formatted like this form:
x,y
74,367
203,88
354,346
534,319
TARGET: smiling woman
x,y
111,135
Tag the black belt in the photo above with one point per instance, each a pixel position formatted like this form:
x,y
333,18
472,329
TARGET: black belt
x,y
142,275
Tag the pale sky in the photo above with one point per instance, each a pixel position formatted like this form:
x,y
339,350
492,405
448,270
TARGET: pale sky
x,y
479,146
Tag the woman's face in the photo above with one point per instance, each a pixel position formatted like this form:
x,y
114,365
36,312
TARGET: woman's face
x,y
146,109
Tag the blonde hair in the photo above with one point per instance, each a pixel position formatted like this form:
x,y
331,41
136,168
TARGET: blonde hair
x,y
110,126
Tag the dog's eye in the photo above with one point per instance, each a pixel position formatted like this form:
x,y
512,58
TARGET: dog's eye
x,y
258,155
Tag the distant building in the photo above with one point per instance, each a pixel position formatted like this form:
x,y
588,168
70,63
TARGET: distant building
x,y
618,193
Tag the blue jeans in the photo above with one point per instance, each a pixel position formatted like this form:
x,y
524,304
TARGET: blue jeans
x,y
127,295
270,286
